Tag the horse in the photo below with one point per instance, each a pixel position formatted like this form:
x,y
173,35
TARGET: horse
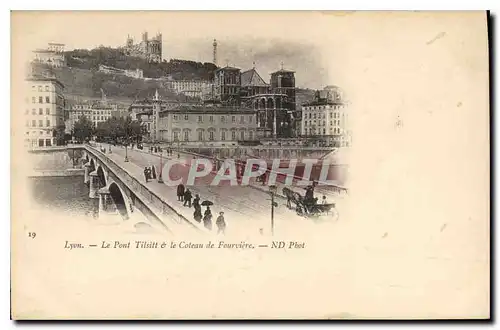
x,y
292,196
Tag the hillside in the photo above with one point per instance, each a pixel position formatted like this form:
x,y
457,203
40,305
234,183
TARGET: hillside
x,y
175,69
82,79
88,84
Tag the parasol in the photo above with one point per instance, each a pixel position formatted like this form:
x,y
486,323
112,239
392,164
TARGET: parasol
x,y
207,203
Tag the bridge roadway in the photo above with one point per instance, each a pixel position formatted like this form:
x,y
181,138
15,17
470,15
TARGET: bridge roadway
x,y
246,209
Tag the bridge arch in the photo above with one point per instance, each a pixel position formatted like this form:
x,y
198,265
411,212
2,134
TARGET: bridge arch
x,y
119,199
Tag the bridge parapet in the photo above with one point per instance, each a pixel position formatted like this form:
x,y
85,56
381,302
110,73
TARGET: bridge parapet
x,y
168,216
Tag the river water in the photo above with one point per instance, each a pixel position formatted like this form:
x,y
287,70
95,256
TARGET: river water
x,y
64,194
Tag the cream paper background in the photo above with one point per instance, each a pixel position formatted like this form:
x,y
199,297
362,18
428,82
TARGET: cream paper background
x,y
413,241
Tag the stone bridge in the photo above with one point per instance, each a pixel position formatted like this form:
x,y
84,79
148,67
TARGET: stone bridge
x,y
119,193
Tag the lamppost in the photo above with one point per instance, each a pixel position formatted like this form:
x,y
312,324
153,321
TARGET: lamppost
x,y
272,190
126,144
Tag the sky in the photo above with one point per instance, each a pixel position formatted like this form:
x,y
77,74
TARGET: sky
x,y
268,39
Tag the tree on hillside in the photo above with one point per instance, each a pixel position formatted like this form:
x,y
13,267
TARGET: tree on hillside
x,y
83,129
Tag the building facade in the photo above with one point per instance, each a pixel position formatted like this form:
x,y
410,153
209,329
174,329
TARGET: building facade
x,y
193,88
44,110
207,125
52,56
227,85
137,73
149,49
142,110
327,117
95,111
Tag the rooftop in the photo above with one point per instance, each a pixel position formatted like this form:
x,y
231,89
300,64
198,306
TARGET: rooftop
x,y
44,78
283,71
252,78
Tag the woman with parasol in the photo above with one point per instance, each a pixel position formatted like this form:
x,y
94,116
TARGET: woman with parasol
x,y
207,218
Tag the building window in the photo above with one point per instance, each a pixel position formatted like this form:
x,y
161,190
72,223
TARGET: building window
x,y
48,123
186,117
40,123
40,99
186,135
233,119
39,88
242,135
223,135
200,135
250,119
33,123
324,131
211,118
47,111
250,134
309,115
222,119
175,117
233,135
242,119
33,100
40,111
211,136
47,99
48,143
200,119
46,88
176,136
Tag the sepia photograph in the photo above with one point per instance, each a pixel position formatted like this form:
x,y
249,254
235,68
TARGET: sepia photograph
x,y
171,165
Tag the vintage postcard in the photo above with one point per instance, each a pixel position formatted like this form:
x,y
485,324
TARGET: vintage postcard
x,y
250,165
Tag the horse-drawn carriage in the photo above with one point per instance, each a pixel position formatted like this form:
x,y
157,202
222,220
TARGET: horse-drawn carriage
x,y
308,205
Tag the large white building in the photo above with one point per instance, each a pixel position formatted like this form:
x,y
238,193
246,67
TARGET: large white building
x,y
44,110
193,88
52,56
95,111
137,73
327,117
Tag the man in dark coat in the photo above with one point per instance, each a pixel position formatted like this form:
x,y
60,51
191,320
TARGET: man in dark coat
x,y
180,192
196,201
187,197
221,223
146,174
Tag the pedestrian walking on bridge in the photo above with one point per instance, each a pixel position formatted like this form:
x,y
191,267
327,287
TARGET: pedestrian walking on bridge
x,y
207,219
221,223
187,197
146,174
180,192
